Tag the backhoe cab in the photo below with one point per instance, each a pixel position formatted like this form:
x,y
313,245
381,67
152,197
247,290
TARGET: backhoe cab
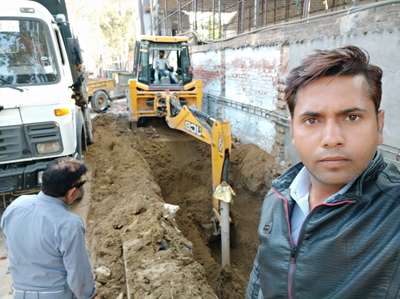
x,y
162,63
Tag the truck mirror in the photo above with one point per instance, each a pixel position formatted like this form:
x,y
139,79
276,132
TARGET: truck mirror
x,y
61,18
75,50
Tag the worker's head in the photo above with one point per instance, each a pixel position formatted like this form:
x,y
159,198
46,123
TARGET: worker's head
x,y
334,98
64,178
162,53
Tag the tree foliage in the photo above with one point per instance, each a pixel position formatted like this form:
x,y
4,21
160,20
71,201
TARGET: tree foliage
x,y
116,24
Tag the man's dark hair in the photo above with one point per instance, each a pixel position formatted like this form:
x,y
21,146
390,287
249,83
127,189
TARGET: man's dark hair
x,y
61,175
346,61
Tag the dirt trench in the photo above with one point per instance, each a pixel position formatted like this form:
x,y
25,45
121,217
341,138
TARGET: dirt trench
x,y
134,173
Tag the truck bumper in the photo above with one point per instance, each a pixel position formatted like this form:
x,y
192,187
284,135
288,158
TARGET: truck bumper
x,y
22,178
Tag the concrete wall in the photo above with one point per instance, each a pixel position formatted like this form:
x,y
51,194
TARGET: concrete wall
x,y
250,69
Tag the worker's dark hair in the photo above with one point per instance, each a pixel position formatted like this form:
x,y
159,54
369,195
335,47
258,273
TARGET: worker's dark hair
x,y
61,175
346,61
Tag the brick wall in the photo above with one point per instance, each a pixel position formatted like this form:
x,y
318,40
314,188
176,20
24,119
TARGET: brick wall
x,y
251,69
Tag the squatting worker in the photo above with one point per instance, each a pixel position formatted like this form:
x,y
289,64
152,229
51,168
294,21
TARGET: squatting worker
x,y
330,226
46,242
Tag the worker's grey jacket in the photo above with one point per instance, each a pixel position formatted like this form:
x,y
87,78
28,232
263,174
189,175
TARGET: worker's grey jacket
x,y
348,248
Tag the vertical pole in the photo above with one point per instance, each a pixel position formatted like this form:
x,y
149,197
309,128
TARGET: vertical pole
x,y
157,18
179,17
287,9
219,19
266,12
306,9
165,17
213,19
256,16
242,15
274,11
225,238
238,16
140,9
151,17
250,14
195,14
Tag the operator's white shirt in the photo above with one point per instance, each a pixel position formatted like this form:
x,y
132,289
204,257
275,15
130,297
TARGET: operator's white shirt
x,y
161,63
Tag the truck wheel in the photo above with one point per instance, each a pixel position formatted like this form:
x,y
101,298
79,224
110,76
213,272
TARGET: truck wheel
x,y
100,101
84,140
79,145
88,125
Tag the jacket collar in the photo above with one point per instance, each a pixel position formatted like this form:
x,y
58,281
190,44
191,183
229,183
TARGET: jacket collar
x,y
375,166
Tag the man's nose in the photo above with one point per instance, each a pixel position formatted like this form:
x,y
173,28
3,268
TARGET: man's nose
x,y
332,135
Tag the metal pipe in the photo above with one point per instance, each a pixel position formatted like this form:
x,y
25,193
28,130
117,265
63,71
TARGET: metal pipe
x,y
225,234
256,13
157,18
274,116
241,21
151,17
238,16
195,14
266,12
213,19
287,10
179,16
140,9
165,17
219,19
306,9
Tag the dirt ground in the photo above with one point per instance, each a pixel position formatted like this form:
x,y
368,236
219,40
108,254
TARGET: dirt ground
x,y
132,234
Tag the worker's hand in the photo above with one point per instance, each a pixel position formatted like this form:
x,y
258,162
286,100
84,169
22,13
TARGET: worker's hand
x,y
97,297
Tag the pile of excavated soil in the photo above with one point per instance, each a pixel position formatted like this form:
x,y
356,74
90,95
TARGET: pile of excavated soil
x,y
134,173
127,223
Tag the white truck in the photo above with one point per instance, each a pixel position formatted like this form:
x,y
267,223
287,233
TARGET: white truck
x,y
43,106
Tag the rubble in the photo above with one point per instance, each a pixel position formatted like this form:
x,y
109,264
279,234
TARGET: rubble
x,y
102,274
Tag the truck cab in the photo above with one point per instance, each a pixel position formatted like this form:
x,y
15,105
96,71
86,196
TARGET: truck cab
x,y
42,117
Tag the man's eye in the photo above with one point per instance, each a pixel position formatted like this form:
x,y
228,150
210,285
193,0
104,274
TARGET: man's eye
x,y
353,117
310,121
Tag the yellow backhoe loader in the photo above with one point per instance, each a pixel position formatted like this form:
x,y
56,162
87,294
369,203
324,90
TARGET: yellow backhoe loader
x,y
164,87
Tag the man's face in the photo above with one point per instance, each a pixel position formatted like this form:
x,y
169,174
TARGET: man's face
x,y
335,128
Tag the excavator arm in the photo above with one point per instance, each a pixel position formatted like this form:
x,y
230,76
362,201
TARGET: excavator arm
x,y
217,134
205,128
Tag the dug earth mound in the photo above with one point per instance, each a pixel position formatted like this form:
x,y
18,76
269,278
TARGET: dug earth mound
x,y
142,244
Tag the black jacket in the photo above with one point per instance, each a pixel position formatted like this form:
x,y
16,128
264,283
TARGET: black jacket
x,y
348,248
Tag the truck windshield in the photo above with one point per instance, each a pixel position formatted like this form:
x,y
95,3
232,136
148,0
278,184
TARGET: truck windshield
x,y
26,53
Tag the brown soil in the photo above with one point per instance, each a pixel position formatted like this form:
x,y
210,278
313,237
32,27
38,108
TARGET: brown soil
x,y
134,172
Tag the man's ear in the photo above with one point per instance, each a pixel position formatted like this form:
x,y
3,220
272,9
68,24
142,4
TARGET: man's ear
x,y
381,123
69,197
